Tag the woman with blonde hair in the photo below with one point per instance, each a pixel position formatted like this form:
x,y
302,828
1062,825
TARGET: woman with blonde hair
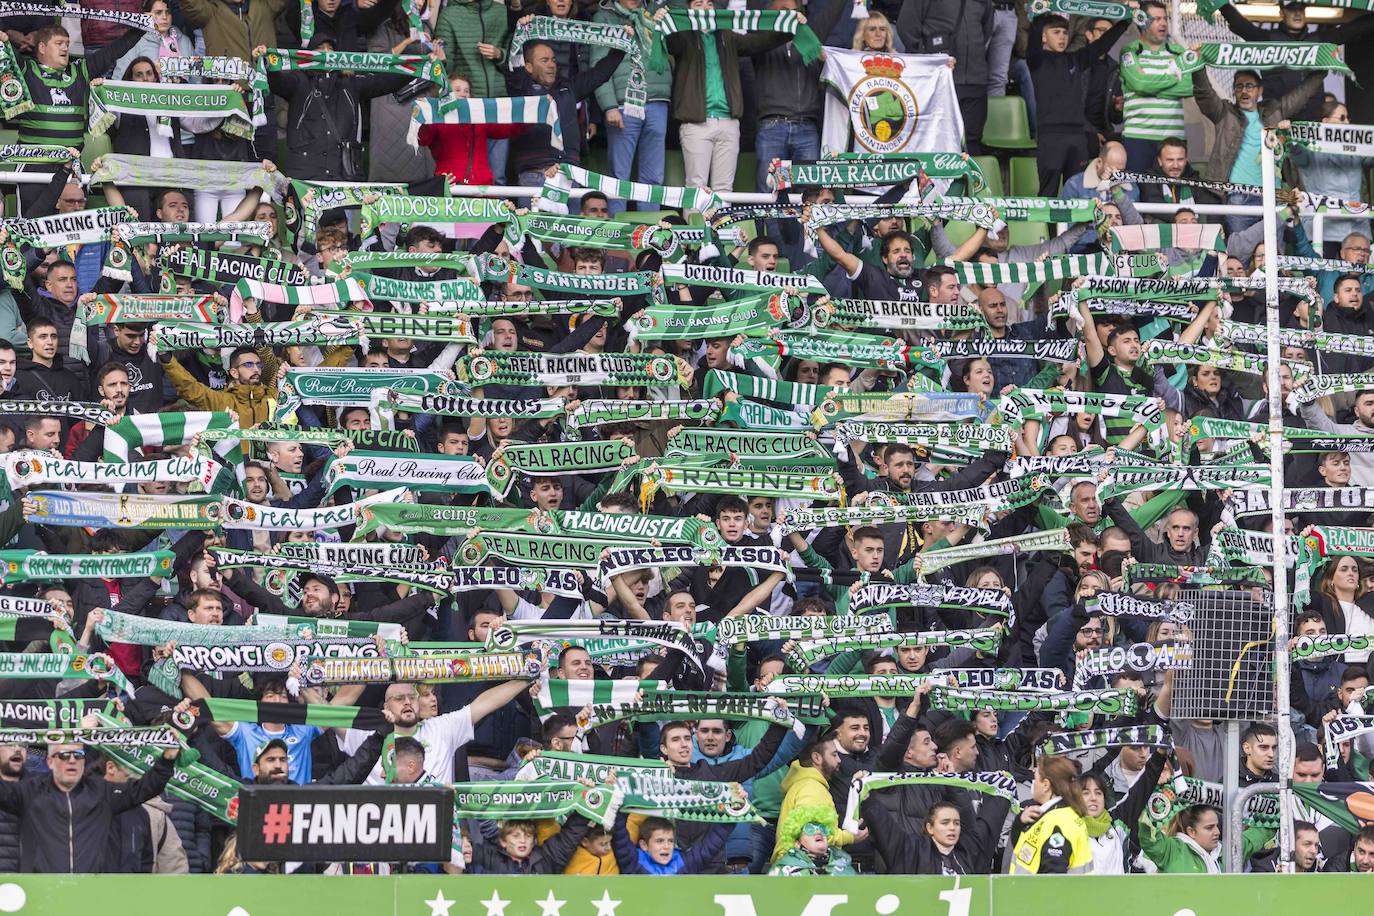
x,y
874,34
1050,837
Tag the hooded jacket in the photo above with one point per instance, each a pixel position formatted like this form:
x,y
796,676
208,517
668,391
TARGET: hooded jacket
x,y
803,787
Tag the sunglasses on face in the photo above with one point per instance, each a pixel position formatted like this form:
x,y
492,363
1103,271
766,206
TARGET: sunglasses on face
x,y
70,755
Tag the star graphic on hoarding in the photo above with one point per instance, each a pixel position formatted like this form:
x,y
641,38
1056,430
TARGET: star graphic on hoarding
x,y
495,906
605,906
550,906
439,906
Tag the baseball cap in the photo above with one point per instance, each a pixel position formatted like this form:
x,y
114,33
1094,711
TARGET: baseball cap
x,y
267,745
327,581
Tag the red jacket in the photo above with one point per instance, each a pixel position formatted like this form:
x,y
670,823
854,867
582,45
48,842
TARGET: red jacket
x,y
460,150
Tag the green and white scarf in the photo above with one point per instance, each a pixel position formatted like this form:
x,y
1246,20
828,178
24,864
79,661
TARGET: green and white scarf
x,y
545,459
555,693
205,69
669,634
166,101
789,21
402,208
737,631
127,236
1050,350
874,171
588,231
246,515
1304,499
933,560
351,387
529,801
49,713
577,369
14,91
559,765
595,412
680,476
997,783
1168,351
1269,55
172,336
28,469
439,292
125,308
982,640
978,436
674,706
793,520
1307,648
1123,479
150,631
636,47
1253,548
845,347
935,595
1341,729
420,260
1182,312
1043,209
852,685
768,389
1295,440
1117,604
534,549
751,316
285,60
757,559
555,190
733,278
967,210
1153,736
895,315
519,109
1334,139
1319,386
1036,404
225,269
1103,702
1059,267
35,566
490,268
36,154
1150,288
196,174
743,443
306,200
191,780
446,405
1094,9
259,657
936,407
86,227
340,292
159,736
423,474
451,329
159,430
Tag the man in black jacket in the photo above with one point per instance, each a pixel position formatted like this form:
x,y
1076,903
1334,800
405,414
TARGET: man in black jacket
x,y
1172,162
962,29
323,113
532,152
65,820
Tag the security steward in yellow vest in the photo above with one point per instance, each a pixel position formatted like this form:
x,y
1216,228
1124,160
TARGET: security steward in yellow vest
x,y
1056,844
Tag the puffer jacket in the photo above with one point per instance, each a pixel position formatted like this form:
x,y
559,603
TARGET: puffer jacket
x,y
461,27
959,28
9,842
69,832
314,146
192,823
658,85
234,29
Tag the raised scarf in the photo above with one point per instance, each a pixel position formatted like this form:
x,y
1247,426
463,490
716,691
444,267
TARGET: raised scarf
x,y
875,171
223,268
242,514
420,669
636,47
718,277
195,174
844,347
519,109
932,594
927,435
597,411
997,783
895,315
1305,499
1137,657
74,410
446,405
1319,386
28,469
789,21
933,560
529,801
545,459
14,90
1154,736
1094,9
751,316
127,236
363,470
350,386
555,189
1269,55
408,210
588,231
1308,648
577,369
33,565
1123,479
963,209
768,389
166,101
1332,139
490,268
766,627
1051,350
1118,604
1105,702
805,653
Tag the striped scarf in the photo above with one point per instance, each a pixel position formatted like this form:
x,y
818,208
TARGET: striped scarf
x,y
964,209
195,174
403,208
490,268
752,316
788,21
1158,236
805,653
861,170
794,520
555,190
519,109
125,237
733,278
767,389
594,412
637,47
586,230
1059,267
577,369
865,351
1319,386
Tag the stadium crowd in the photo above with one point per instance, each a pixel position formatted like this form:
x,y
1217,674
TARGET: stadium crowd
x,y
860,531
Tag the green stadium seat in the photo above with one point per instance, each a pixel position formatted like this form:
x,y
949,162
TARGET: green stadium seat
x,y
1025,177
93,148
992,174
958,232
642,217
744,172
674,172
1008,126
9,135
1027,233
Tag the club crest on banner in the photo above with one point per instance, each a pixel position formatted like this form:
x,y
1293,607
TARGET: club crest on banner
x,y
883,109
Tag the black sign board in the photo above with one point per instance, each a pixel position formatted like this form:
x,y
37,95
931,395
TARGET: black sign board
x,y
345,823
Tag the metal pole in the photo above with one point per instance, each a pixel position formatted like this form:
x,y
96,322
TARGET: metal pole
x,y
1230,794
1283,725
1235,820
